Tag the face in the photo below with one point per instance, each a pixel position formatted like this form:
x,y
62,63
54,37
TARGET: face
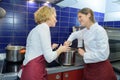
x,y
53,20
83,19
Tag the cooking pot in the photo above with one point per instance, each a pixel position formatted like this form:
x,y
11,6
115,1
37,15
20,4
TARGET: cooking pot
x,y
67,58
13,53
2,12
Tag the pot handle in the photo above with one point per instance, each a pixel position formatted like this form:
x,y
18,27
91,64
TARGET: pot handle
x,y
22,51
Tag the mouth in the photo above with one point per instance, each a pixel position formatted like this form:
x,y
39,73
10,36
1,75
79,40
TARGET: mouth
x,y
81,22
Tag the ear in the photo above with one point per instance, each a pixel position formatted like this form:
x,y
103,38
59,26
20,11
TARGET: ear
x,y
89,15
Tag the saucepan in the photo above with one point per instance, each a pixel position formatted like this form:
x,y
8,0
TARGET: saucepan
x,y
68,58
15,53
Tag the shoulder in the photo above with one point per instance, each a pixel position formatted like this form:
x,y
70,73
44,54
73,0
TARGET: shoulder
x,y
100,31
42,27
99,28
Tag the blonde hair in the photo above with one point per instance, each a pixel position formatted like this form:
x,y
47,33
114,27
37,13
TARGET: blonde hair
x,y
43,14
86,11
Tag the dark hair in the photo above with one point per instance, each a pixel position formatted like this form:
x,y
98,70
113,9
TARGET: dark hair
x,y
86,11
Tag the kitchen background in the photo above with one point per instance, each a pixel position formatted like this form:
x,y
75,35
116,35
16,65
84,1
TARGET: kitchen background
x,y
19,19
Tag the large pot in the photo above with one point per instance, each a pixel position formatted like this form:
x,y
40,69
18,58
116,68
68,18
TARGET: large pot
x,y
13,53
2,12
67,58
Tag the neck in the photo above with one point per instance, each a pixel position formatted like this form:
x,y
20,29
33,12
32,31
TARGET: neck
x,y
89,25
48,23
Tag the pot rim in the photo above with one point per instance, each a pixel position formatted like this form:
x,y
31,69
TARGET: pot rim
x,y
16,47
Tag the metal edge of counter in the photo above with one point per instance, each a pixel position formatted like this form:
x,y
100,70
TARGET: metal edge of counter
x,y
63,69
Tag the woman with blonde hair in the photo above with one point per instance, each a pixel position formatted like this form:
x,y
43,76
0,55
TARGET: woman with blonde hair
x,y
38,48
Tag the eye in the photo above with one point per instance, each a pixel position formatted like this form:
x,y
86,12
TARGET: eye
x,y
79,16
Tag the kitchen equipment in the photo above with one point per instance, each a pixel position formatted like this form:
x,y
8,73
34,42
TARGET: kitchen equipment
x,y
67,58
2,12
114,42
9,70
11,67
13,54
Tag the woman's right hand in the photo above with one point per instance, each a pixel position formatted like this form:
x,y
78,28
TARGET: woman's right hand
x,y
67,43
62,49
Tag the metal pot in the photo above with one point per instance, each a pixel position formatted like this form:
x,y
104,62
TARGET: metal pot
x,y
2,12
67,58
13,53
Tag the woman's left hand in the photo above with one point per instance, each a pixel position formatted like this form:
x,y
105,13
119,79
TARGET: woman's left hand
x,y
81,51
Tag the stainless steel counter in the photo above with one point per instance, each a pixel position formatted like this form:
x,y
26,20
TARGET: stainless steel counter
x,y
62,69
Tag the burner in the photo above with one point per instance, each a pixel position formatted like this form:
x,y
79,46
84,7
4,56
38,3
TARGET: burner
x,y
9,67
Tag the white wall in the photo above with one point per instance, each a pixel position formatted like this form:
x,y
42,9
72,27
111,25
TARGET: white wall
x,y
112,11
112,6
109,7
95,5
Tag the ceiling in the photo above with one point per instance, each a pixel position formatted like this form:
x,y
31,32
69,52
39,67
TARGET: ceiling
x,y
51,1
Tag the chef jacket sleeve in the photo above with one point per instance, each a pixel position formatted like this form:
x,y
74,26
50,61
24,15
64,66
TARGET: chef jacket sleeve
x,y
46,46
75,35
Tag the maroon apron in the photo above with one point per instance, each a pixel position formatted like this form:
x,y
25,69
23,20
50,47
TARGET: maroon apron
x,y
99,71
34,70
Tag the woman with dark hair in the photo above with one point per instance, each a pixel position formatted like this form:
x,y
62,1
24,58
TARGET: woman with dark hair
x,y
97,66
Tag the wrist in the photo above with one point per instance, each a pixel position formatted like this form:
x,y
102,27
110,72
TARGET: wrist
x,y
58,52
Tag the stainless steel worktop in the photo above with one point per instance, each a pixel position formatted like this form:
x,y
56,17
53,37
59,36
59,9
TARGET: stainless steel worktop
x,y
63,69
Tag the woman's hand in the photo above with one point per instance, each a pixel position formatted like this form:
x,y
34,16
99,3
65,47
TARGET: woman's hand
x,y
54,45
62,49
67,43
81,51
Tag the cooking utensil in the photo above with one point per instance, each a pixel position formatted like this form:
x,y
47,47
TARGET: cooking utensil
x,y
67,58
2,12
13,54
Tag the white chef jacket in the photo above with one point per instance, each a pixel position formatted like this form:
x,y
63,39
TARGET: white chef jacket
x,y
39,43
95,43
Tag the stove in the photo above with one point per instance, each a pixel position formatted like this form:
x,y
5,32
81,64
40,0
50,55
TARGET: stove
x,y
14,67
11,67
9,70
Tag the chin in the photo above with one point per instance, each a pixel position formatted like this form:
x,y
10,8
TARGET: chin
x,y
53,26
82,25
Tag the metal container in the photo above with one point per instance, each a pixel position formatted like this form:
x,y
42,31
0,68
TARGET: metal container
x,y
67,58
13,53
2,12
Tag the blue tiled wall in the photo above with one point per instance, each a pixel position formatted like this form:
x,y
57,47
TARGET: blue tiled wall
x,y
15,26
111,24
